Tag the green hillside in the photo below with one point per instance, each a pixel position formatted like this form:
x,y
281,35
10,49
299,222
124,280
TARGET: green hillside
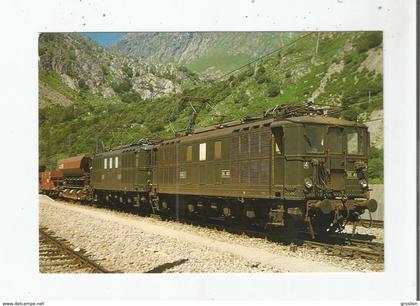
x,y
209,54
346,70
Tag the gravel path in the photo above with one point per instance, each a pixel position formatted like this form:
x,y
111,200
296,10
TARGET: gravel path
x,y
128,243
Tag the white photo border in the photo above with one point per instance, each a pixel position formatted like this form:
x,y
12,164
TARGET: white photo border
x,y
22,21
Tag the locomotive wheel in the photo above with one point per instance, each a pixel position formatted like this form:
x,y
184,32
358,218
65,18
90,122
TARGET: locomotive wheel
x,y
165,210
121,202
203,212
137,210
243,221
292,227
228,214
101,200
333,228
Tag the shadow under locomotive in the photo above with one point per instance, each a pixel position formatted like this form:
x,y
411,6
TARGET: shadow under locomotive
x,y
292,170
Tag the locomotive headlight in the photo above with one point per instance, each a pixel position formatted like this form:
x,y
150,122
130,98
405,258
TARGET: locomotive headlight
x,y
363,183
308,182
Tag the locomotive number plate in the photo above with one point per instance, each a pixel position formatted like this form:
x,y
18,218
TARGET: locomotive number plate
x,y
225,173
182,174
351,174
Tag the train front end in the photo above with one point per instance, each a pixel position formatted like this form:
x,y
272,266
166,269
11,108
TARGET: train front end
x,y
324,163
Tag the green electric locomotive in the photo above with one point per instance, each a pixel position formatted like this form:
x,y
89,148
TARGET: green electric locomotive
x,y
294,169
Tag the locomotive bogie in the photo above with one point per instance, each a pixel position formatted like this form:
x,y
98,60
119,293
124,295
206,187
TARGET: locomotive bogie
x,y
134,201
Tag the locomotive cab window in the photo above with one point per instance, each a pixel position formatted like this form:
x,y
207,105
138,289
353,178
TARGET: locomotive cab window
x,y
355,142
105,163
116,161
335,140
314,139
110,163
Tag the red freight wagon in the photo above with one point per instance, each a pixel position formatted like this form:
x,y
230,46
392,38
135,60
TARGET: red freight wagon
x,y
49,182
74,166
76,177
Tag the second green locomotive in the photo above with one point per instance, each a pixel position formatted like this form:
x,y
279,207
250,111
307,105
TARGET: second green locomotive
x,y
288,170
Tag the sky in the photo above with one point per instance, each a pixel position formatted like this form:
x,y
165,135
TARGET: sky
x,y
104,38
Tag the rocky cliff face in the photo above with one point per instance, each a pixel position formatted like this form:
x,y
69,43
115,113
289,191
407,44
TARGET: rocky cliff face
x,y
82,65
207,53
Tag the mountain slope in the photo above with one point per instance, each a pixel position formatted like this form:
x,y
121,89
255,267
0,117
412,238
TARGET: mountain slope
x,y
345,69
207,53
80,65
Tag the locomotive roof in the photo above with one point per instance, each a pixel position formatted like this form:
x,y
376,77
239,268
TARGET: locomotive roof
x,y
126,148
317,119
221,130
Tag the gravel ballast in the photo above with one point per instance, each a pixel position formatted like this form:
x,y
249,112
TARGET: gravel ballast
x,y
128,243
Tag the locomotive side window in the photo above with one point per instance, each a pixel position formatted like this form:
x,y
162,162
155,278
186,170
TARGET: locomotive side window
x,y
217,150
105,163
189,153
314,139
116,161
202,153
110,163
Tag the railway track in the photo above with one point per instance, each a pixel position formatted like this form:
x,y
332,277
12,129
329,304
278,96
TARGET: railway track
x,y
375,223
352,249
55,256
341,244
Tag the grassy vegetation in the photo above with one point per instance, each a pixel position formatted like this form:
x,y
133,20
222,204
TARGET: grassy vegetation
x,y
221,60
54,81
376,166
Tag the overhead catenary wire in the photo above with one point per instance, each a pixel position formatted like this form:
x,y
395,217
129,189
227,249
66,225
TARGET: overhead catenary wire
x,y
285,68
344,107
372,120
266,55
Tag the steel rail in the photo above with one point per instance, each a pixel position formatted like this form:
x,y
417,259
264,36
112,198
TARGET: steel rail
x,y
340,244
83,260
